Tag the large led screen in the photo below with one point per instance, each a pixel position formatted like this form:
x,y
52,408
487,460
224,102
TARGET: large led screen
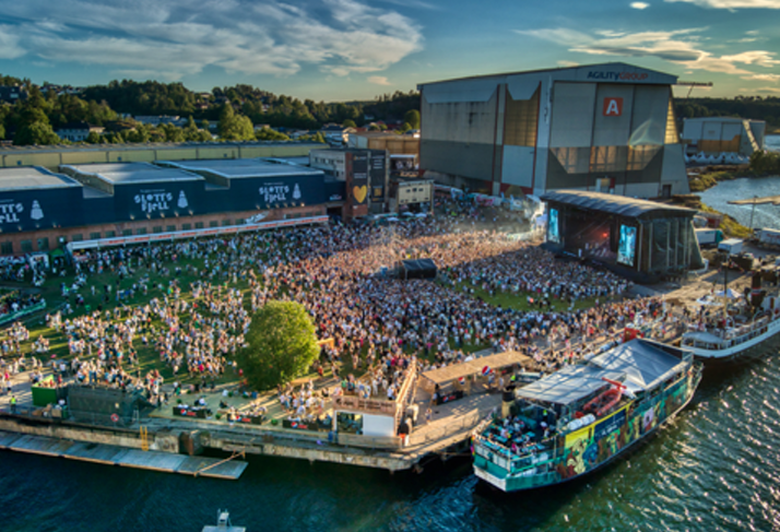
x,y
553,231
627,245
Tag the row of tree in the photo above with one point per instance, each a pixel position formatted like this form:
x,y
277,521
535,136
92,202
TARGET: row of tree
x,y
753,107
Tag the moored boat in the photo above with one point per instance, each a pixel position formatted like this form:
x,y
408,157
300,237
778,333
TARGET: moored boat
x,y
578,419
733,327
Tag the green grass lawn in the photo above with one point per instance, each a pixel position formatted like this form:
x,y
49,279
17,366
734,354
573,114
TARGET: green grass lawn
x,y
520,301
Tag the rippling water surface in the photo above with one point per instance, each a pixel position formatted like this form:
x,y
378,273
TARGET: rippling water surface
x,y
715,468
766,215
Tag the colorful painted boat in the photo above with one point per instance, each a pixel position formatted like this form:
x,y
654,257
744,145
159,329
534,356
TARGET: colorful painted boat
x,y
580,418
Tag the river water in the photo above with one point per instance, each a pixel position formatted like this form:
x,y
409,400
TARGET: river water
x,y
766,215
715,468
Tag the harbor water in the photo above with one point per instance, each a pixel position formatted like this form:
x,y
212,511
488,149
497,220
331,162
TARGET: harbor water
x,y
766,215
715,468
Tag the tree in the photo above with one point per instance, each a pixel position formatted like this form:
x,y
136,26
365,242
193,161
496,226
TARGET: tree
x,y
269,134
93,138
282,345
412,117
234,127
349,123
35,133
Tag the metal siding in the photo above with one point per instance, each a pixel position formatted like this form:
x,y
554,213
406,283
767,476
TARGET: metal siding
x,y
673,169
613,130
572,114
518,166
729,131
84,157
135,156
651,106
274,192
457,158
98,210
181,154
217,153
471,122
49,160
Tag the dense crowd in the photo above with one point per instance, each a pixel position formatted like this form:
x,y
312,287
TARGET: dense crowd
x,y
378,323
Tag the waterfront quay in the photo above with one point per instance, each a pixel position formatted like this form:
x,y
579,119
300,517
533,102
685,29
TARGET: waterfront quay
x,y
42,431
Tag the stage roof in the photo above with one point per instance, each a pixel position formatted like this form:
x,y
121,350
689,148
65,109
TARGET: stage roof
x,y
613,204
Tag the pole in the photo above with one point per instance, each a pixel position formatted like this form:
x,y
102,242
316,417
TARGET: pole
x,y
752,212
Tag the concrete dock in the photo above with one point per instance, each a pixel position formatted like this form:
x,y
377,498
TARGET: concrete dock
x,y
123,457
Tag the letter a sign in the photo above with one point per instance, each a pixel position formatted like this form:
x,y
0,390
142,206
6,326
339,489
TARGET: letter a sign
x,y
613,106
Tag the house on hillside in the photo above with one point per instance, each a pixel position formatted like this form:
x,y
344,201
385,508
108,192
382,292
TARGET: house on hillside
x,y
77,131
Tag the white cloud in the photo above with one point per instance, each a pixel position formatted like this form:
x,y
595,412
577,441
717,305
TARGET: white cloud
x,y
172,38
640,5
733,4
565,63
763,77
769,90
682,47
378,80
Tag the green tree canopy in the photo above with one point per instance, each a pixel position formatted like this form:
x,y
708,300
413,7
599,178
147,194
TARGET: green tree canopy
x,y
282,345
412,117
269,134
234,127
35,133
349,123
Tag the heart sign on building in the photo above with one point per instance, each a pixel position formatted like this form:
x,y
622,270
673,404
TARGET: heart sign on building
x,y
360,193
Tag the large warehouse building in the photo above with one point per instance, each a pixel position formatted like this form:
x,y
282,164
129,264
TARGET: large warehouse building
x,y
720,134
608,127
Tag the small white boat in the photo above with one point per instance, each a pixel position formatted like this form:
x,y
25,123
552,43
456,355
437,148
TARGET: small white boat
x,y
223,524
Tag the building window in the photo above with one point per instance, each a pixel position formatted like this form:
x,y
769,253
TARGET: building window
x,y
198,225
43,244
225,223
78,237
110,234
26,246
94,236
6,248
127,232
157,229
213,223
140,231
170,228
521,121
186,227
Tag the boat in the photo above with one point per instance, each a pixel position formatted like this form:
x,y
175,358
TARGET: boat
x,y
575,421
223,524
736,328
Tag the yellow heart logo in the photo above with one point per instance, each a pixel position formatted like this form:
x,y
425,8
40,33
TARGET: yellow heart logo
x,y
360,193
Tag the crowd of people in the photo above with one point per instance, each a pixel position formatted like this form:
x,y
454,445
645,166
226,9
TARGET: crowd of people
x,y
379,324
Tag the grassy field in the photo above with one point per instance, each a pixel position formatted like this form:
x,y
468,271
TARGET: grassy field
x,y
520,301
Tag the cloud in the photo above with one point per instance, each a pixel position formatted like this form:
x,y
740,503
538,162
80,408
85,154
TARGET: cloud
x,y
378,80
565,63
763,77
733,4
679,46
169,39
640,5
768,90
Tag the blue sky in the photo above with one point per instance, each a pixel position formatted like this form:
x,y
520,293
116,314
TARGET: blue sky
x,y
338,50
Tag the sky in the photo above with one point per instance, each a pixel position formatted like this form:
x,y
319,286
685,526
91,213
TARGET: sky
x,y
343,50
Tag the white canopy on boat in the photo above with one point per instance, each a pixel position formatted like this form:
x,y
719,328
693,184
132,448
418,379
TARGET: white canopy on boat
x,y
645,365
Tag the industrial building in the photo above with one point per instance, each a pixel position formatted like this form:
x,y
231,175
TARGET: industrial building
x,y
41,210
643,240
364,174
607,127
723,135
